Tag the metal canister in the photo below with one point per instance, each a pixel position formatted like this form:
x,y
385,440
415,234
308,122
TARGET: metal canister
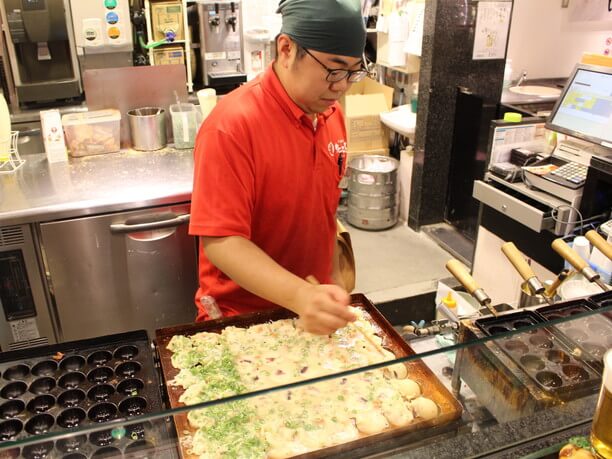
x,y
148,128
373,192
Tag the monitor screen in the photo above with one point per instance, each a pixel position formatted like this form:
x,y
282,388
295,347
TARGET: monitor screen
x,y
584,109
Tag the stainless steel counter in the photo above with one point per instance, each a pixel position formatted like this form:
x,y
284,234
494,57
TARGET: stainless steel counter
x,y
40,191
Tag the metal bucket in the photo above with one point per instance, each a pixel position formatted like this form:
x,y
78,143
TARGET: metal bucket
x,y
148,128
373,194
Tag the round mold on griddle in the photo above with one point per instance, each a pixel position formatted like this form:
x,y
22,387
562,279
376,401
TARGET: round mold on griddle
x,y
516,346
549,379
99,358
575,311
71,417
575,373
597,327
72,363
101,392
71,398
100,375
555,316
75,456
140,449
532,363
133,406
71,444
40,424
38,451
102,412
595,350
576,334
16,372
605,303
101,437
137,431
543,342
45,368
127,369
71,380
521,324
41,403
130,386
11,408
10,429
127,352
556,356
497,329
13,390
42,385
106,452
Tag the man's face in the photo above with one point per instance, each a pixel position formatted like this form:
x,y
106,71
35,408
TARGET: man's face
x,y
307,85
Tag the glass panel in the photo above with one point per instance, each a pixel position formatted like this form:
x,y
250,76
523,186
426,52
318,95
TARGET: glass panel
x,y
270,390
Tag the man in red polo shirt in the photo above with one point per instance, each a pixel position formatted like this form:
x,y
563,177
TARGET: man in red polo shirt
x,y
268,161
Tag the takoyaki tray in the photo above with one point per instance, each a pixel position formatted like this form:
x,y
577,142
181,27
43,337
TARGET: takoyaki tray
x,y
588,337
540,354
88,382
601,300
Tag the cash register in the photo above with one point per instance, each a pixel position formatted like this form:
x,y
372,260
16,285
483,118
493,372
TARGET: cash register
x,y
583,112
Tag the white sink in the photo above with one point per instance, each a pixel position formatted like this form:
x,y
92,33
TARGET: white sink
x,y
535,90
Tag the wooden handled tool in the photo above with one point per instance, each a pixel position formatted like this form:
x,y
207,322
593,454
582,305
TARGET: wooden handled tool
x,y
516,258
461,273
602,245
577,262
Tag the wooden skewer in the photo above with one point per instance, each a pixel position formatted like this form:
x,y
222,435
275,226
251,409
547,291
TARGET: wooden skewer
x,y
313,280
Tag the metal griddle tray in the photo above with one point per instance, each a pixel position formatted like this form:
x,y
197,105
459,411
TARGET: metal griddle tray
x,y
540,354
58,387
588,337
431,387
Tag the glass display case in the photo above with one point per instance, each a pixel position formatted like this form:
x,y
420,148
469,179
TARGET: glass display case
x,y
258,386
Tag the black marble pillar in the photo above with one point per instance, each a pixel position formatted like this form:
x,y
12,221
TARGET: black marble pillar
x,y
446,64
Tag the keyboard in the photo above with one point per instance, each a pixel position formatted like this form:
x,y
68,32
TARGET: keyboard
x,y
572,172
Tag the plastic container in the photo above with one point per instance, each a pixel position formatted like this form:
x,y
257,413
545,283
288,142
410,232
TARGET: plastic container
x,y
208,99
186,119
5,129
92,133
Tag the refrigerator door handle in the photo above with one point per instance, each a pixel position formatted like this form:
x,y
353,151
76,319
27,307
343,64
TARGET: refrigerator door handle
x,y
122,228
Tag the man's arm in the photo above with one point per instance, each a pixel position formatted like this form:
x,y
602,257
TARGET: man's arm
x,y
322,308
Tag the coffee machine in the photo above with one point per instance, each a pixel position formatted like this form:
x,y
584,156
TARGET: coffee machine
x,y
221,44
41,49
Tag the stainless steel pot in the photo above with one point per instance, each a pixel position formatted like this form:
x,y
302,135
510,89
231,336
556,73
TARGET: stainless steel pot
x,y
148,128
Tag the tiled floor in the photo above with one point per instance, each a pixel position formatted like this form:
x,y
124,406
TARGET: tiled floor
x,y
396,263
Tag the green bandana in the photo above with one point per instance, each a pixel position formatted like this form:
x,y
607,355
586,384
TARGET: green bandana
x,y
329,26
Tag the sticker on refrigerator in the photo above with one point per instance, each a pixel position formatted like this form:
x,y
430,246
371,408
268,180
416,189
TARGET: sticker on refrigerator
x,y
215,56
24,329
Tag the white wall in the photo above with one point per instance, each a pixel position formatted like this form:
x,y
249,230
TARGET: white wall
x,y
547,40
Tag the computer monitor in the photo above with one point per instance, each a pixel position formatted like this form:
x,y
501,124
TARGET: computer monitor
x,y
584,109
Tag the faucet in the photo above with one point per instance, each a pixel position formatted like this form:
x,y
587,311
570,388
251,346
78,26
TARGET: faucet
x,y
522,78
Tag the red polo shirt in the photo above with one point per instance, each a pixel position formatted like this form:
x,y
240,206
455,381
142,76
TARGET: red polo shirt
x,y
263,172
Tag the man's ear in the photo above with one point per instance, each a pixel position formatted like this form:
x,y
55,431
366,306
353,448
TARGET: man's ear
x,y
285,50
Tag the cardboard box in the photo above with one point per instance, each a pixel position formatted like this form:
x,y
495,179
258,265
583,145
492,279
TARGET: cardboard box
x,y
362,106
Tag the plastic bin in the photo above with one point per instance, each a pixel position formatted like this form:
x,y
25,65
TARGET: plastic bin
x,y
92,133
186,119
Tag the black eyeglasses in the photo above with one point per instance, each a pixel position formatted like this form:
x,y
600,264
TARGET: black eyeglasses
x,y
335,75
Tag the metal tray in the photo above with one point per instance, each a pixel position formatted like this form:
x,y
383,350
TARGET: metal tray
x,y
541,355
588,337
87,382
450,409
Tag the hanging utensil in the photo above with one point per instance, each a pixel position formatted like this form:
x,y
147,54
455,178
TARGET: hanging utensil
x,y
570,255
461,273
600,243
551,290
520,264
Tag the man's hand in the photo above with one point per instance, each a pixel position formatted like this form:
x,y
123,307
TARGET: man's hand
x,y
322,308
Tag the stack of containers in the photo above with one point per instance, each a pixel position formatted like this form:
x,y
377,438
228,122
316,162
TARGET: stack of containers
x,y
92,133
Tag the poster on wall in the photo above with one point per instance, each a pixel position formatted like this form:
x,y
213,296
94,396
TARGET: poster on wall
x,y
492,28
